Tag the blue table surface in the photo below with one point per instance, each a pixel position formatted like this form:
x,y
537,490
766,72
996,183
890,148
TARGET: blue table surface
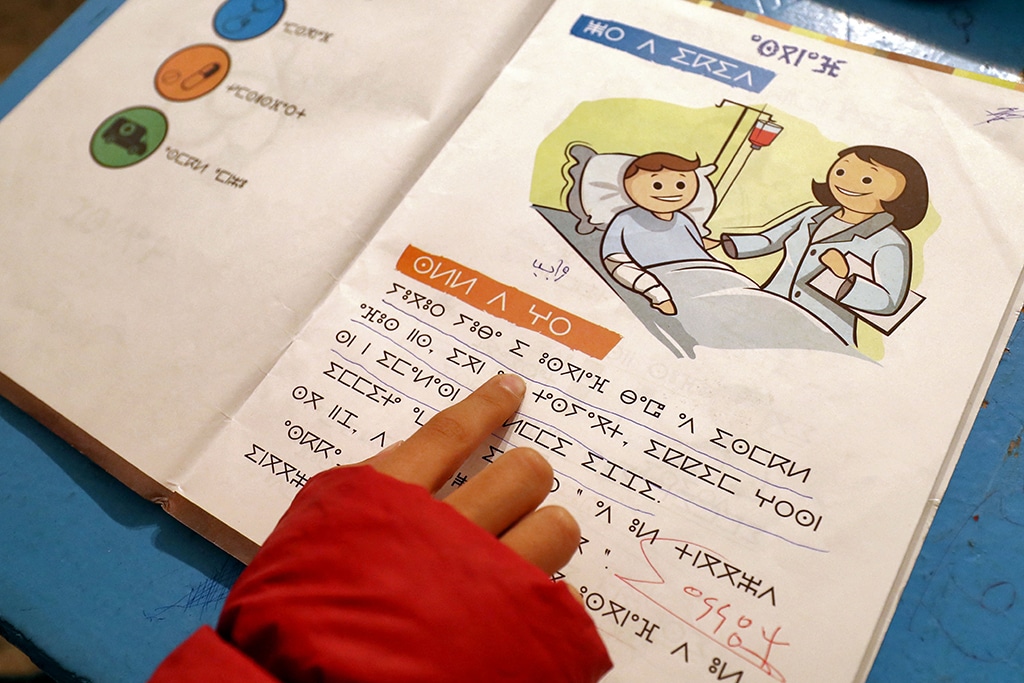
x,y
98,584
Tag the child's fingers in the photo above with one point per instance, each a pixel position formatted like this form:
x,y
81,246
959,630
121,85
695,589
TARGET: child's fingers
x,y
547,537
507,490
503,497
436,450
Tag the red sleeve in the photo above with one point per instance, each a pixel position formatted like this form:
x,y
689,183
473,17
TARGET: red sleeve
x,y
369,580
205,657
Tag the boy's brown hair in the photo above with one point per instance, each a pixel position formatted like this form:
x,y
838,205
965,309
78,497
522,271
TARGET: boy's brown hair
x,y
658,161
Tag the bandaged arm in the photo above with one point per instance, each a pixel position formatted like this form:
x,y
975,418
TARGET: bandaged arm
x,y
629,274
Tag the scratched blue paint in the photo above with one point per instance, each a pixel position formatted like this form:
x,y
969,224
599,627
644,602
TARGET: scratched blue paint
x,y
94,579
979,35
961,617
976,31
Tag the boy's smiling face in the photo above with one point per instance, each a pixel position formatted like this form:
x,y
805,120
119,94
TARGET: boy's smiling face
x,y
662,192
862,186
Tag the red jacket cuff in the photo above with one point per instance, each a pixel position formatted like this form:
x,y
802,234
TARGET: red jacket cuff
x,y
369,579
205,657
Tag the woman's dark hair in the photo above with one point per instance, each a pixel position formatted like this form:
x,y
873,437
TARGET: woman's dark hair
x,y
658,161
909,208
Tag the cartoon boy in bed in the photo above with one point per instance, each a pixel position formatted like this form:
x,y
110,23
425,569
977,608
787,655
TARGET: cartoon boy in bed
x,y
658,225
652,211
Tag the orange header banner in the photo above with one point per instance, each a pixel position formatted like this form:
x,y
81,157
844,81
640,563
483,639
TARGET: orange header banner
x,y
507,303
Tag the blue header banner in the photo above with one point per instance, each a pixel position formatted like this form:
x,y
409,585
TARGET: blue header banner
x,y
673,53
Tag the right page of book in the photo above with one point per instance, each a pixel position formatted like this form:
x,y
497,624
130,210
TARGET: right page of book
x,y
757,282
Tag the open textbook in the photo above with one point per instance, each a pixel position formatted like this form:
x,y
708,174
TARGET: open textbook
x,y
756,280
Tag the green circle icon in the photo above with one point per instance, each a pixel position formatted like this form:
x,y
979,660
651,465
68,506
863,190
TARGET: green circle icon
x,y
128,137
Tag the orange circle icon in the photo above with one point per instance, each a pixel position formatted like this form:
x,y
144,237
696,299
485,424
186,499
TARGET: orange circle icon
x,y
192,72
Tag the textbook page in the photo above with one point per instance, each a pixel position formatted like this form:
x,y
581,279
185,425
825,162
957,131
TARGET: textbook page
x,y
183,190
631,219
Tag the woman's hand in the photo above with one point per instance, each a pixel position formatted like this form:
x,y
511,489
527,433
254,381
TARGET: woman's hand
x,y
834,260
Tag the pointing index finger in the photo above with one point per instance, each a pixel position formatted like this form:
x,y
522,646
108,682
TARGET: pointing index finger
x,y
437,449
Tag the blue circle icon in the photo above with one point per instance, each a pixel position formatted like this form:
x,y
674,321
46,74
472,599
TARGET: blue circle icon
x,y
245,19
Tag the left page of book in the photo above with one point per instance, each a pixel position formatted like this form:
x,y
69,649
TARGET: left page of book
x,y
177,196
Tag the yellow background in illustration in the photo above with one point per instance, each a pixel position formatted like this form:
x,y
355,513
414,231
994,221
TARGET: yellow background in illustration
x,y
774,181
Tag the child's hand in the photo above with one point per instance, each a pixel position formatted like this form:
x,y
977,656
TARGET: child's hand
x,y
367,578
503,498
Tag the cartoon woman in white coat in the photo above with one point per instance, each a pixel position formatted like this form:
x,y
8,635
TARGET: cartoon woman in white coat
x,y
871,197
